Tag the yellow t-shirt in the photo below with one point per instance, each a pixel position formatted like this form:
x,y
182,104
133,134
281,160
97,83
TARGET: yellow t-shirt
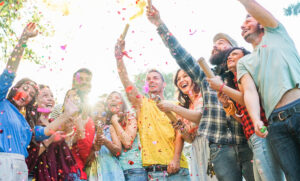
x,y
157,136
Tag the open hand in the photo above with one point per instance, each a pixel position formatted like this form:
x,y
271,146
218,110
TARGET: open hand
x,y
29,31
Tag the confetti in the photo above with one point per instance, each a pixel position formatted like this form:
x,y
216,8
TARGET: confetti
x,y
118,154
1,3
146,87
141,4
63,47
154,142
129,89
192,33
1,131
264,46
24,45
130,162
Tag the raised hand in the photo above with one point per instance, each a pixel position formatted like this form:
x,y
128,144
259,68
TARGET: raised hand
x,y
30,31
119,48
153,16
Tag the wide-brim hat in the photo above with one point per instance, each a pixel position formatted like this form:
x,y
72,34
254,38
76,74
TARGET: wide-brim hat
x,y
226,37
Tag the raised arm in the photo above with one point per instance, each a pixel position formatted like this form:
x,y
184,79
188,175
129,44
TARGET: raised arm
x,y
16,55
252,103
128,135
182,57
131,90
263,16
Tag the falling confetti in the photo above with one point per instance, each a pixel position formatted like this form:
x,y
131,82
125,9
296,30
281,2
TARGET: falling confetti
x,y
1,131
1,3
192,33
129,89
63,47
130,162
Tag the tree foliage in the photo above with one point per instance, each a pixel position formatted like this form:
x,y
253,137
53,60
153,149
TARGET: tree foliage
x,y
12,13
139,81
292,9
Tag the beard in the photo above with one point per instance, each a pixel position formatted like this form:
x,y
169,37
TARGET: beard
x,y
218,58
251,37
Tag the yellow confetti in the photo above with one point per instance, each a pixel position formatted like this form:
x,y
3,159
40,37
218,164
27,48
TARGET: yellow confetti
x,y
141,4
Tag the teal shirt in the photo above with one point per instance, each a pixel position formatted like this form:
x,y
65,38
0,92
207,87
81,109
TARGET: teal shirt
x,y
130,159
274,66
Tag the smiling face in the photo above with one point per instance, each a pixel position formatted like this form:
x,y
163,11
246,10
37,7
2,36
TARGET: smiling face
x,y
24,94
82,82
115,103
45,99
220,49
155,83
251,29
233,58
184,82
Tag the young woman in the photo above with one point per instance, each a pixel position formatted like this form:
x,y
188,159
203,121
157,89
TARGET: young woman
x,y
125,125
108,147
190,110
54,154
15,132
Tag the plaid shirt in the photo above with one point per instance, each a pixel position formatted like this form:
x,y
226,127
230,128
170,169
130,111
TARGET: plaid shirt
x,y
246,120
213,125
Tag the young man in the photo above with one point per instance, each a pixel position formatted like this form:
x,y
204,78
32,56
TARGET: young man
x,y
265,166
274,68
229,151
85,129
161,144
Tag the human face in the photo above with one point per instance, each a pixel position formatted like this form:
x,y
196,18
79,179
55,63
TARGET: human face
x,y
155,82
45,99
184,82
250,29
220,45
24,95
115,103
233,58
82,82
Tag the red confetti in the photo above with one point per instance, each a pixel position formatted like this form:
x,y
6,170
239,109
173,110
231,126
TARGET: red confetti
x,y
1,131
60,171
2,3
129,89
130,162
118,154
119,12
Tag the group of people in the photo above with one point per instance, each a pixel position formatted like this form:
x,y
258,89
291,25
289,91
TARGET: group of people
x,y
244,123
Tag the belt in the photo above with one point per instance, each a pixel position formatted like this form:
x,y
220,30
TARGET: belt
x,y
283,115
156,168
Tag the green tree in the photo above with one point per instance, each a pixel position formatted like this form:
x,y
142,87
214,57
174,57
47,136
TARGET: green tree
x,y
11,13
292,9
139,81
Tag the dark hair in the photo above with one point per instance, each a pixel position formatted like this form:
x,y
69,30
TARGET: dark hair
x,y
109,113
155,70
34,115
84,70
228,75
30,106
184,99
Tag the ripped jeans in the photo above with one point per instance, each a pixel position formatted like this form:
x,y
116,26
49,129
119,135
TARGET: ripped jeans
x,y
265,167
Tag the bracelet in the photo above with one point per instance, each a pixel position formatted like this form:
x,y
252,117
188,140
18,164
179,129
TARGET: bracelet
x,y
221,88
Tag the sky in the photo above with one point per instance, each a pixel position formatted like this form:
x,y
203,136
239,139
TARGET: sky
x,y
85,33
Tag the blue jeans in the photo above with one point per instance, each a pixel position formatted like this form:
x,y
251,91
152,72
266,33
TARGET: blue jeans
x,y
136,174
285,141
265,167
182,175
232,162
